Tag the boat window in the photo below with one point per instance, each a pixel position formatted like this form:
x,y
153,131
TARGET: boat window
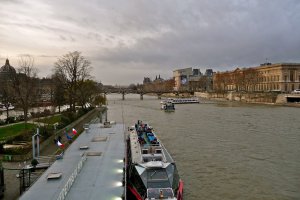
x,y
154,193
158,178
157,174
158,151
147,158
145,151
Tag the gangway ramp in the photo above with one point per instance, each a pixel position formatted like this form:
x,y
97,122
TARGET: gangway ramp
x,y
91,168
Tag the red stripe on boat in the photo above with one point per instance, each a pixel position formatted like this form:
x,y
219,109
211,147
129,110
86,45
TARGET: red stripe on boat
x,y
135,193
180,190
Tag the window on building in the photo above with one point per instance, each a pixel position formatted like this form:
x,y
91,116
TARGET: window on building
x,y
291,75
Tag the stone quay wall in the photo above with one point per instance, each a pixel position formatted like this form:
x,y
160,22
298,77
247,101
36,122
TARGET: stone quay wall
x,y
269,98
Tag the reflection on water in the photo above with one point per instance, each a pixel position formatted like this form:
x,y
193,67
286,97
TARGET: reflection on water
x,y
225,150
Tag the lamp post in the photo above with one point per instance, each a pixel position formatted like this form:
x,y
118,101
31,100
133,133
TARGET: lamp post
x,y
37,135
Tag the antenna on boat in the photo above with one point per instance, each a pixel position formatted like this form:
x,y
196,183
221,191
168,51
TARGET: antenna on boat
x,y
106,111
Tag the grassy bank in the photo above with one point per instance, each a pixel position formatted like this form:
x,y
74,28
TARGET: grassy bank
x,y
14,130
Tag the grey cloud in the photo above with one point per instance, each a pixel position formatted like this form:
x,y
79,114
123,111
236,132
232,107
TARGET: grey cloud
x,y
47,56
62,37
136,37
223,35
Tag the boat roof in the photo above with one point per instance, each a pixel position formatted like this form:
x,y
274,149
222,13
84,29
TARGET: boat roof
x,y
137,155
91,167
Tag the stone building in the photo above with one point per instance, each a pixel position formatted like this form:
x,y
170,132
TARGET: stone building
x,y
45,89
6,73
44,86
280,77
192,79
6,70
181,78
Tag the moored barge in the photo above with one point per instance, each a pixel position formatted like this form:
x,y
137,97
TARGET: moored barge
x,y
151,172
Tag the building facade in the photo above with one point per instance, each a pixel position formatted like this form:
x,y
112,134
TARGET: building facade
x,y
6,71
192,79
181,78
280,77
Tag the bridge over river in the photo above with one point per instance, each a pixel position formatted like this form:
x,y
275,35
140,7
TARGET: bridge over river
x,y
141,92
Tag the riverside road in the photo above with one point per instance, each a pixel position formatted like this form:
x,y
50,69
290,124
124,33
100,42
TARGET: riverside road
x,y
224,150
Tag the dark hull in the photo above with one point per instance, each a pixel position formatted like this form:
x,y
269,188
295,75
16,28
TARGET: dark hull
x,y
136,188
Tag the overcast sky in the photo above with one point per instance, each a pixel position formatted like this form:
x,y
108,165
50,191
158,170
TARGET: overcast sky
x,y
127,40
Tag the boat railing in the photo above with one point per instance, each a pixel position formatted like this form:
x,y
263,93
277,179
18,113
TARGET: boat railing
x,y
151,151
152,157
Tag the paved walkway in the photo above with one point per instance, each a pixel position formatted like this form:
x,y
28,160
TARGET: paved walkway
x,y
11,169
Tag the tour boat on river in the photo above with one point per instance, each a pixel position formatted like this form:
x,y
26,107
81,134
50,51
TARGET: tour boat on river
x,y
151,172
167,106
182,100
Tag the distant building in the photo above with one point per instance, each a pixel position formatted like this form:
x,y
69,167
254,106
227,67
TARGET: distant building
x,y
196,72
209,72
45,89
181,78
6,73
280,77
6,70
44,86
192,79
158,79
146,80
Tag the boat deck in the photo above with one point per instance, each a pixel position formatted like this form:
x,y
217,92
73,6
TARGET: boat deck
x,y
91,168
136,148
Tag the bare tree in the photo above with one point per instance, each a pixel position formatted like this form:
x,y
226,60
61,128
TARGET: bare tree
x,y
59,92
7,96
6,90
86,90
221,80
24,84
72,69
251,78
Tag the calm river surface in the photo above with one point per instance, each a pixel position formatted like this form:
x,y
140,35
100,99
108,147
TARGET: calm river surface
x,y
224,151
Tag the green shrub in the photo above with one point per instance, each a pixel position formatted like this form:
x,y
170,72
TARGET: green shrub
x,y
34,162
2,122
10,120
46,131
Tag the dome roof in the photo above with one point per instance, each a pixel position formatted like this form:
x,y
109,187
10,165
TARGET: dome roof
x,y
7,68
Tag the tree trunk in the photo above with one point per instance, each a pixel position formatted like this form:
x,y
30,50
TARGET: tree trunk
x,y
25,117
7,114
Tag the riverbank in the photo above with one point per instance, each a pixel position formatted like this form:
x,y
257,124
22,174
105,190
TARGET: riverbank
x,y
254,98
249,98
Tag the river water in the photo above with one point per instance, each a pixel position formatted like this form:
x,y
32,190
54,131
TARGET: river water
x,y
224,150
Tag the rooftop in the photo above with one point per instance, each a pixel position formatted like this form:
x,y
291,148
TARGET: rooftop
x,y
91,168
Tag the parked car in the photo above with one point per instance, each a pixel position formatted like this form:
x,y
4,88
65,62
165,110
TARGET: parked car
x,y
297,91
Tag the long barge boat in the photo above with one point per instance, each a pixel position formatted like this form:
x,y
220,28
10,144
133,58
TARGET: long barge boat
x,y
151,172
181,100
